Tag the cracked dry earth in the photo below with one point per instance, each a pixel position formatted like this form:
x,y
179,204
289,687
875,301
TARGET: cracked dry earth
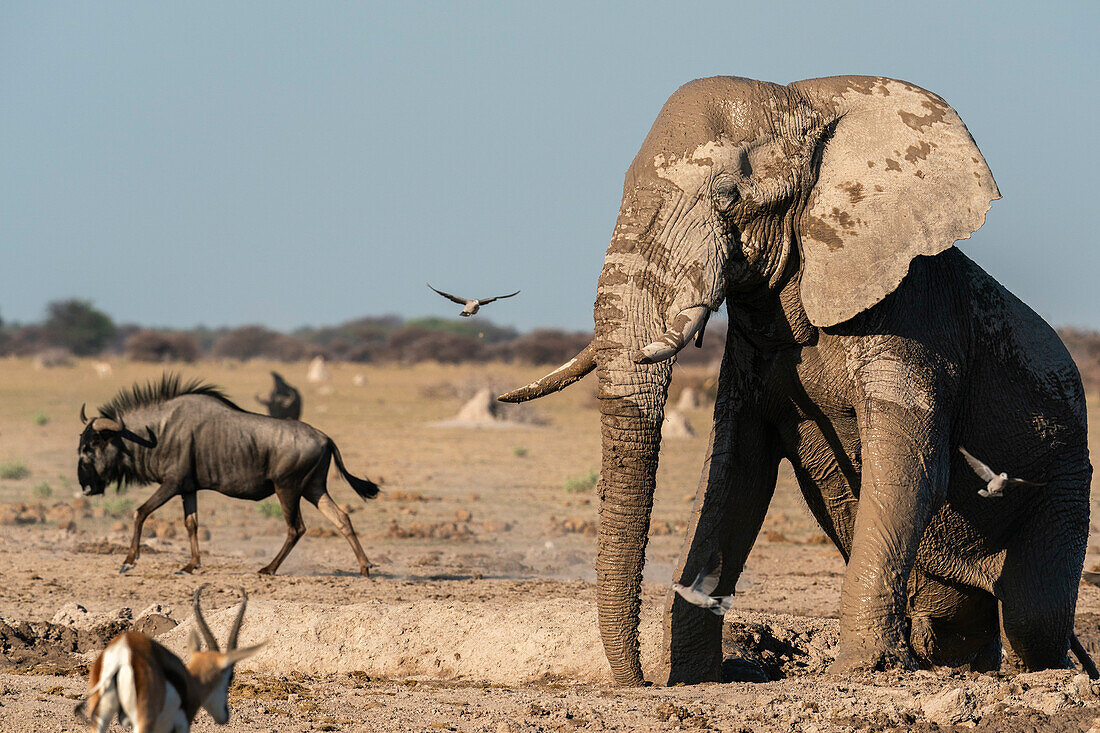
x,y
481,615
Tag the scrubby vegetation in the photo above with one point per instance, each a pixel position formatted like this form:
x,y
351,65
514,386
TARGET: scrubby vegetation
x,y
14,470
581,484
270,509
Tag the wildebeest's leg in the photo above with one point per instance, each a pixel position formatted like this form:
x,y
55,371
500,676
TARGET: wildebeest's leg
x,y
295,528
166,491
337,516
191,521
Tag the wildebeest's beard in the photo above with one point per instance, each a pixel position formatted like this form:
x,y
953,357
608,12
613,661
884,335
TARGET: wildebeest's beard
x,y
94,448
91,484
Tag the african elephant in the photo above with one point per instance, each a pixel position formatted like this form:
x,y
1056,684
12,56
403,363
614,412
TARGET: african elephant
x,y
863,348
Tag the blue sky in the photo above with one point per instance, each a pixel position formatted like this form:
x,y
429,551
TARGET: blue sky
x,y
307,163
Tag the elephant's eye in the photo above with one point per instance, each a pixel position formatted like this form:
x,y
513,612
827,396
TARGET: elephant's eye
x,y
725,193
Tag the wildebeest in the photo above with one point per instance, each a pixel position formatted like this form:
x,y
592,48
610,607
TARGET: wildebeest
x,y
285,401
190,437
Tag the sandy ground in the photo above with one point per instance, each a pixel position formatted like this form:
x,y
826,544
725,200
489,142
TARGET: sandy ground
x,y
480,615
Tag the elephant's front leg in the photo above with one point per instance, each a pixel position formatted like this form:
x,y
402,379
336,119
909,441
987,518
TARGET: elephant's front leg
x,y
736,487
904,441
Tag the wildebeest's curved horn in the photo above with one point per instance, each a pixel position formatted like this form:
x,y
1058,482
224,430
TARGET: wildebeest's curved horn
x,y
200,622
106,424
150,442
83,417
560,378
231,641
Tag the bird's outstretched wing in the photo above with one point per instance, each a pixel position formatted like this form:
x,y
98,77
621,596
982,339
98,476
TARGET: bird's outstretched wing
x,y
483,301
707,579
1022,482
448,296
985,473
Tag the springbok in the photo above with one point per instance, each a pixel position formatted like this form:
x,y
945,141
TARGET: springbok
x,y
151,690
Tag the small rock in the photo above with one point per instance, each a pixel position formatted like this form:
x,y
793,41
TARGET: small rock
x,y
495,526
463,515
154,624
1083,686
949,708
71,614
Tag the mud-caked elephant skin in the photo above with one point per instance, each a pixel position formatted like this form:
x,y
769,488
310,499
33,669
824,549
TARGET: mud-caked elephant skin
x,y
863,348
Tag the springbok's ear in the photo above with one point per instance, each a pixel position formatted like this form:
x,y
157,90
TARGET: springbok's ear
x,y
194,643
231,657
899,176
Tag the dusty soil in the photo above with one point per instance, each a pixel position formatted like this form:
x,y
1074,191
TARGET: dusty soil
x,y
480,615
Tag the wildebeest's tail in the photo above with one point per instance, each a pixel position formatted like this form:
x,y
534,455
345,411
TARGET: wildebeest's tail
x,y
364,487
1083,657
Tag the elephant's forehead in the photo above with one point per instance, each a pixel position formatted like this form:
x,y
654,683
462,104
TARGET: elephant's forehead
x,y
706,121
689,172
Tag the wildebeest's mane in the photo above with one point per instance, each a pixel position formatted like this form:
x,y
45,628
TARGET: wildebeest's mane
x,y
154,392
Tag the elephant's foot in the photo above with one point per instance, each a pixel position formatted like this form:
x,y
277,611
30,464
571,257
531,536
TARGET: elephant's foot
x,y
941,643
871,658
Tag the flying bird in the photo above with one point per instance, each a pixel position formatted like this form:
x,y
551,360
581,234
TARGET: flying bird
x,y
699,594
472,305
995,482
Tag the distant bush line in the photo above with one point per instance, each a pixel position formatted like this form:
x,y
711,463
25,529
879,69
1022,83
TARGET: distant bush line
x,y
76,327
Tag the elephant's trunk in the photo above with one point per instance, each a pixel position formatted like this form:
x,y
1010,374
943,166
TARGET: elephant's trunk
x,y
632,399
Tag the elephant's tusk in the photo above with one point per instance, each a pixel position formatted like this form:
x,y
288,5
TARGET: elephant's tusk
x,y
560,378
689,322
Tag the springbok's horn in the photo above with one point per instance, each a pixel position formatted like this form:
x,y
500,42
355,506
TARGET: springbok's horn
x,y
83,417
200,622
686,324
560,378
231,641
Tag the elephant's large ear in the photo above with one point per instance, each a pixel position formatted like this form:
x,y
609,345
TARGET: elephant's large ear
x,y
899,177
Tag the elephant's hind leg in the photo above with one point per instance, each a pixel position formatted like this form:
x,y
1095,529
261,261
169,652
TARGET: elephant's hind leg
x,y
952,625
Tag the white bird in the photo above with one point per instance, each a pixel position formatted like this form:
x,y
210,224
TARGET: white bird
x,y
699,594
472,305
995,482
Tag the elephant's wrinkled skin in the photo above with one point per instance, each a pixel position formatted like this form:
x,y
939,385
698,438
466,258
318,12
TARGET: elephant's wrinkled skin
x,y
862,348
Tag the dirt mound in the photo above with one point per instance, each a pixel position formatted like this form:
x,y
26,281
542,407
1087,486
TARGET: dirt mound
x,y
430,530
536,640
778,650
676,425
689,399
58,646
496,642
42,647
484,411
105,547
317,372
